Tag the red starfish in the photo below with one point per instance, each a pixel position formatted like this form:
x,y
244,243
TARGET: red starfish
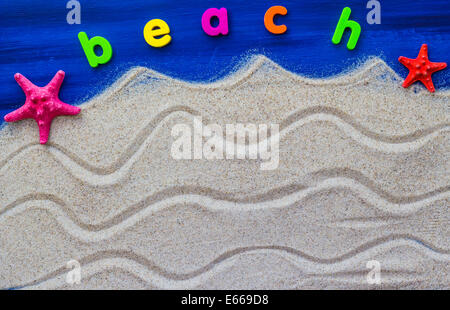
x,y
42,104
420,69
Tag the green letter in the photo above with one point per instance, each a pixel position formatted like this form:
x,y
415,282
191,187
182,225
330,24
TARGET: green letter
x,y
89,45
344,23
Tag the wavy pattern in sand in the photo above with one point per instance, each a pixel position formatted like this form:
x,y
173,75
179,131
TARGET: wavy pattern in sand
x,y
372,70
364,130
104,177
372,67
104,231
154,275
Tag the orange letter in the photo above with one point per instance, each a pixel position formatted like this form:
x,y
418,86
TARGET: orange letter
x,y
268,19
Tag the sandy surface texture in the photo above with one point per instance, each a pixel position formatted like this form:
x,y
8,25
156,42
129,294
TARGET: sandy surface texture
x,y
363,175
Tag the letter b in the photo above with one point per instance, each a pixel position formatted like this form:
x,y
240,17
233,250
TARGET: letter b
x,y
89,46
344,23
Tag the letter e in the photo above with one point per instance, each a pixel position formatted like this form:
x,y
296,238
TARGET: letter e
x,y
156,33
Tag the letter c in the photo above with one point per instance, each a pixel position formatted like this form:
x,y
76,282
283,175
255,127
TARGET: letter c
x,y
268,19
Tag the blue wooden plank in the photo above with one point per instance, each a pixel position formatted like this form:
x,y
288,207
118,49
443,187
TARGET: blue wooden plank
x,y
36,40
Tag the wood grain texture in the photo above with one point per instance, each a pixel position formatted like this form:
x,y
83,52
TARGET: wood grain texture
x,y
36,40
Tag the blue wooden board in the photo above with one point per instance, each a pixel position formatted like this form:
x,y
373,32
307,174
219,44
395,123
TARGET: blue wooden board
x,y
36,40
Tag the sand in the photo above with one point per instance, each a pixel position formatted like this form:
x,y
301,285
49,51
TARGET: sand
x,y
363,175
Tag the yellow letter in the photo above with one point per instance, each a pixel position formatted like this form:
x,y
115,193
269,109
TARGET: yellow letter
x,y
156,28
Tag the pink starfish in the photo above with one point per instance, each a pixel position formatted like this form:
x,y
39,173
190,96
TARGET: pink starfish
x,y
42,104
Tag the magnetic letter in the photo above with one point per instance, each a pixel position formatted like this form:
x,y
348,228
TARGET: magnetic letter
x,y
157,28
344,23
74,15
268,19
222,28
374,16
89,46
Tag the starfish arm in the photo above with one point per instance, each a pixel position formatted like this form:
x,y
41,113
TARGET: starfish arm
x,y
44,131
405,61
428,84
66,109
424,51
55,83
24,83
436,66
411,78
18,115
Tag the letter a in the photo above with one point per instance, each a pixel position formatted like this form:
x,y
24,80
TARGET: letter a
x,y
344,23
222,28
374,15
74,15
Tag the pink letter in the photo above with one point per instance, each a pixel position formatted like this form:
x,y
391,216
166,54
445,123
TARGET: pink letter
x,y
222,15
